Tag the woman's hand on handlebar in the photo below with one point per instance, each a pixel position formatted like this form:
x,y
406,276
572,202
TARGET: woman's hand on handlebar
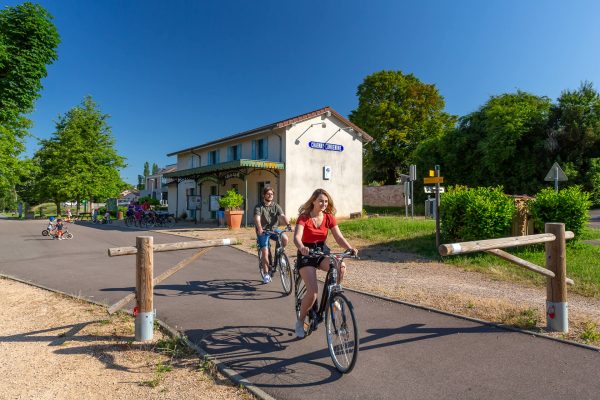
x,y
304,250
352,252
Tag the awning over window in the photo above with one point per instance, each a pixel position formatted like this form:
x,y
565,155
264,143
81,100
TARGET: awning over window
x,y
217,169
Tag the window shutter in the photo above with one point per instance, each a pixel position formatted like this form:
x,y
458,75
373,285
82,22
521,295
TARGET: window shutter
x,y
266,148
254,149
218,156
239,151
230,153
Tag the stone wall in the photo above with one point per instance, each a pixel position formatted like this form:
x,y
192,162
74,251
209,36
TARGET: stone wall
x,y
383,196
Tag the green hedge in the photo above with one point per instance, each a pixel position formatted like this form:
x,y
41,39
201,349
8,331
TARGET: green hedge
x,y
479,213
569,205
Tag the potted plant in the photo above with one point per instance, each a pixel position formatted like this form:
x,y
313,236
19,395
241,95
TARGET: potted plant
x,y
231,202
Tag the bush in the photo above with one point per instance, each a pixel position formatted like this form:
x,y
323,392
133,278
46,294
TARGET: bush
x,y
232,200
569,206
479,213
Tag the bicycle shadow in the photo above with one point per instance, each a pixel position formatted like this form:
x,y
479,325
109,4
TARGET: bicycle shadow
x,y
223,289
268,356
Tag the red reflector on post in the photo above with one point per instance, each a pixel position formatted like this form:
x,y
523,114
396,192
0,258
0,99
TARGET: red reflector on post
x,y
136,311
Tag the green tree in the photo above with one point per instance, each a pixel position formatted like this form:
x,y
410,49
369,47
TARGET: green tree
x,y
502,143
28,42
574,137
146,169
400,112
79,161
141,185
155,168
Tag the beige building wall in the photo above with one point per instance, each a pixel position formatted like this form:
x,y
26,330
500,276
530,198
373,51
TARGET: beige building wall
x,y
304,165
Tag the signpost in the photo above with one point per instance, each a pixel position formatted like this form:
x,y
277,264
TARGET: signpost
x,y
435,177
556,174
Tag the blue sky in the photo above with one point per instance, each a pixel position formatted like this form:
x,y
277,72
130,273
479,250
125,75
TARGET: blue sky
x,y
180,73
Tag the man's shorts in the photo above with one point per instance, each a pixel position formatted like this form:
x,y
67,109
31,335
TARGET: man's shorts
x,y
263,240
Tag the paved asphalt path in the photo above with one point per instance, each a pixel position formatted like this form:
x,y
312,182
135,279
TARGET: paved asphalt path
x,y
406,353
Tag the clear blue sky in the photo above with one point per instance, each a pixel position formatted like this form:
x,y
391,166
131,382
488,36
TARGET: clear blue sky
x,y
180,73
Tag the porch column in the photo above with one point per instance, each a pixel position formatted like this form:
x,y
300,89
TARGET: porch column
x,y
245,200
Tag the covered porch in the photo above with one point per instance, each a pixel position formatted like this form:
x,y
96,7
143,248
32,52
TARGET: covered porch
x,y
197,189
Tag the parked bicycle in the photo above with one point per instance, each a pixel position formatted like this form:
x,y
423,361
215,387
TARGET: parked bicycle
x,y
340,322
277,261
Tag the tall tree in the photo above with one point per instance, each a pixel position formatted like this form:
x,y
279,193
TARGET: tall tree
x,y
80,161
146,169
155,168
399,111
141,185
574,137
28,42
505,140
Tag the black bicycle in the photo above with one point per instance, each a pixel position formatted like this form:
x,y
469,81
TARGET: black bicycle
x,y
279,261
338,312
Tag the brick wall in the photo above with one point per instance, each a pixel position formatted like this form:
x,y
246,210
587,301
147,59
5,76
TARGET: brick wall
x,y
383,196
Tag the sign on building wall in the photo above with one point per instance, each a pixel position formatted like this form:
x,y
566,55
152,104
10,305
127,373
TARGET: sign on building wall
x,y
325,146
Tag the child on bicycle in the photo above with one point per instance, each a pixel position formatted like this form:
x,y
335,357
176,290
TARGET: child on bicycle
x,y
51,226
59,229
316,218
266,217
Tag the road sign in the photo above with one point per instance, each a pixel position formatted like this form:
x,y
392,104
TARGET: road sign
x,y
433,179
556,174
431,189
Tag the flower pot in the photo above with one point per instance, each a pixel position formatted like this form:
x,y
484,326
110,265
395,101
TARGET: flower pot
x,y
234,219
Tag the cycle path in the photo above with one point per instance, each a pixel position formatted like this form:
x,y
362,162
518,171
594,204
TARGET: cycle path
x,y
406,352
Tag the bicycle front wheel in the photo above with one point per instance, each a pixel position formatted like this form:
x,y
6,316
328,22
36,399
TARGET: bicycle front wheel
x,y
285,271
342,333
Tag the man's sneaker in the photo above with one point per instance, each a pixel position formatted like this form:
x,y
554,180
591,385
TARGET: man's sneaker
x,y
266,278
299,329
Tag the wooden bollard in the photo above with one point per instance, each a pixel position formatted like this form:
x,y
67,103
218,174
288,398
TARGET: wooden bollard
x,y
144,288
557,310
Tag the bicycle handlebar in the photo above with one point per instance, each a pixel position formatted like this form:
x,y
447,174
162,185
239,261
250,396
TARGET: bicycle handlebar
x,y
339,256
288,228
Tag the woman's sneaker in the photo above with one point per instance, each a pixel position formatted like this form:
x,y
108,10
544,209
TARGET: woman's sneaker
x,y
299,329
266,278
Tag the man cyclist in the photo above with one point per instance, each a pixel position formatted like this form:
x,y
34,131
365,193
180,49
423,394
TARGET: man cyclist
x,y
266,217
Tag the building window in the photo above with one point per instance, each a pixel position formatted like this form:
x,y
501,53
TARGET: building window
x,y
234,152
260,149
194,161
213,157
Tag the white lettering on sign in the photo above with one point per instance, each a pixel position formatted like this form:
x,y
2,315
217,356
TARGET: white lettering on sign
x,y
325,146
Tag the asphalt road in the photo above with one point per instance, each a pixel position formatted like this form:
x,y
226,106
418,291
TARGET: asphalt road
x,y
218,302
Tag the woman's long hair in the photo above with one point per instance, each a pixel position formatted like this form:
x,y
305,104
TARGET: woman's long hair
x,y
307,207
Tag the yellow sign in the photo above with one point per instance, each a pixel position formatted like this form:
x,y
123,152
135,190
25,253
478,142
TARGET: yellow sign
x,y
431,172
434,179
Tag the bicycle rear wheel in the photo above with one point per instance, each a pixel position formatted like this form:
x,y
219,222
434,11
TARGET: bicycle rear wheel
x,y
342,333
285,272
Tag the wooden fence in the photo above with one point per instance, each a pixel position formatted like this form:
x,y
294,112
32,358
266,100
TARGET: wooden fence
x,y
555,236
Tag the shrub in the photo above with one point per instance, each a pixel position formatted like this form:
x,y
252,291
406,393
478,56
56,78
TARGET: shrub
x,y
569,206
232,200
479,213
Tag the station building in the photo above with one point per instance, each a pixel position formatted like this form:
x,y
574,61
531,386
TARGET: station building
x,y
319,149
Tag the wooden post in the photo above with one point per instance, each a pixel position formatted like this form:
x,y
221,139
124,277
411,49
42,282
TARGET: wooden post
x,y
437,208
144,320
557,311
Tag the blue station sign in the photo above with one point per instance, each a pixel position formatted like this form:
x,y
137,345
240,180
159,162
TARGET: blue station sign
x,y
325,146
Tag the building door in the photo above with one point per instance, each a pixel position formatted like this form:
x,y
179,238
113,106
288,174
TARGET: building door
x,y
213,192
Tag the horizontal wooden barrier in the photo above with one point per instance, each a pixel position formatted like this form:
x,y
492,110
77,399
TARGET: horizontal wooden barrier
x,y
197,244
482,245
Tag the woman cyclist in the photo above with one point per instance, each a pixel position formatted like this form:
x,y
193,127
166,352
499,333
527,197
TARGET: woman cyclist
x,y
316,218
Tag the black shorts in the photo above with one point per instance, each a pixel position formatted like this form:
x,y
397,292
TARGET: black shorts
x,y
312,261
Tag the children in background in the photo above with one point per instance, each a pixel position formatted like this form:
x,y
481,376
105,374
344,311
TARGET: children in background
x,y
106,217
69,215
95,215
59,229
51,226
